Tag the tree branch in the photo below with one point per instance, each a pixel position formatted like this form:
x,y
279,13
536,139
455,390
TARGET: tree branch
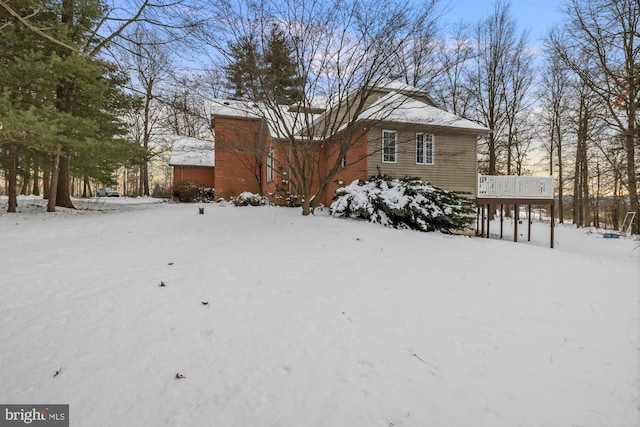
x,y
33,28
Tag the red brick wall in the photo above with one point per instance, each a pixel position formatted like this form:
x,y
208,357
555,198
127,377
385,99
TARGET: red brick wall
x,y
237,143
356,167
200,174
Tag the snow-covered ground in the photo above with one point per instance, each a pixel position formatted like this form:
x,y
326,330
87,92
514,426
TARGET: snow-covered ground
x,y
312,321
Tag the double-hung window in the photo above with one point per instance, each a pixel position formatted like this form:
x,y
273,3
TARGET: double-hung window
x,y
389,146
424,149
343,149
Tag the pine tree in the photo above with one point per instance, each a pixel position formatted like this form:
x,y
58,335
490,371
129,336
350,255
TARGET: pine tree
x,y
244,72
55,102
281,73
267,71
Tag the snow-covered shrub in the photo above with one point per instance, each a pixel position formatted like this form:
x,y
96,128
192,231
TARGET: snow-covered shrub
x,y
191,192
404,203
249,199
188,192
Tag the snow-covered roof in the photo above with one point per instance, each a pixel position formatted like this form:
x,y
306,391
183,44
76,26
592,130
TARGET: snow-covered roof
x,y
405,89
396,106
281,121
399,108
231,108
187,151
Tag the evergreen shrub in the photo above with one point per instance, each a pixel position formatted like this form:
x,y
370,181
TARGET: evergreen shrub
x,y
404,203
249,199
188,192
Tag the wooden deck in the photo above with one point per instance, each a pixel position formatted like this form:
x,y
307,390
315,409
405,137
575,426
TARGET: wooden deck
x,y
515,191
515,187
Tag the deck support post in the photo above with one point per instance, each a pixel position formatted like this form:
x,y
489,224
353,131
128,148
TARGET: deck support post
x,y
529,221
553,223
516,214
514,191
488,219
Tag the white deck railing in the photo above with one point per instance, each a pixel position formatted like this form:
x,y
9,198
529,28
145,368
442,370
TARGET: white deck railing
x,y
515,187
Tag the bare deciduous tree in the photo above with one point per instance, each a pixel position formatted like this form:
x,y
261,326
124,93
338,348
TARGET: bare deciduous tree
x,y
606,32
555,87
146,58
500,81
455,56
342,51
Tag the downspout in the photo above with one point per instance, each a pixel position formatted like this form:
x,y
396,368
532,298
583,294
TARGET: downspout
x,y
262,172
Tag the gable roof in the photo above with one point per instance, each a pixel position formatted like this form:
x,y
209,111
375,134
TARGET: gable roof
x,y
281,122
389,86
397,105
399,108
187,151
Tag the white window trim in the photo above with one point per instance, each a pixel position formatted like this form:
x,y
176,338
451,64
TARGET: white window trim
x,y
395,146
271,164
424,148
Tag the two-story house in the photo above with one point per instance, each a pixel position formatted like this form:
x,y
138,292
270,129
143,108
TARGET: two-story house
x,y
400,132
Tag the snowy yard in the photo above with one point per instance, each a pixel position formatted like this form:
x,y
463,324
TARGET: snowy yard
x,y
311,321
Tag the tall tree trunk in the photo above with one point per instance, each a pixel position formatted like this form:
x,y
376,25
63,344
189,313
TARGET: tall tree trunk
x,y
306,208
12,177
86,188
36,179
125,186
46,181
26,177
63,196
142,179
64,96
584,180
615,214
53,187
509,145
632,187
576,190
492,155
144,170
596,199
560,179
579,185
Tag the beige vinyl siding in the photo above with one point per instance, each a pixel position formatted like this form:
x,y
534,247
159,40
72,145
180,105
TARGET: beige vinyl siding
x,y
454,167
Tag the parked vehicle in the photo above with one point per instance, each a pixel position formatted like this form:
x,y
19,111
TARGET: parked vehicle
x,y
107,192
